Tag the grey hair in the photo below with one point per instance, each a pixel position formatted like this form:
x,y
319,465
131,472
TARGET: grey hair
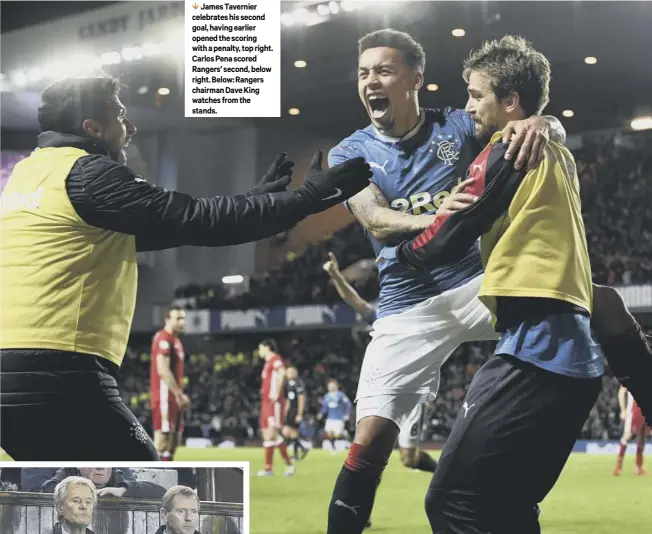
x,y
166,501
61,490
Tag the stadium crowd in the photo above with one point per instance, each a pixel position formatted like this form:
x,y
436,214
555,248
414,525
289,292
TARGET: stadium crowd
x,y
224,388
616,180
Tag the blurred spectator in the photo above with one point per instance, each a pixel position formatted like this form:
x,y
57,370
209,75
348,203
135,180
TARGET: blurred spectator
x,y
33,478
7,486
109,482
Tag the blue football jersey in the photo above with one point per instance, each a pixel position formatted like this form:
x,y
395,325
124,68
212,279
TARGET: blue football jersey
x,y
335,406
416,173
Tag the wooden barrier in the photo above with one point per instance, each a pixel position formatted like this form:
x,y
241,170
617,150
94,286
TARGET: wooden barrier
x,y
33,513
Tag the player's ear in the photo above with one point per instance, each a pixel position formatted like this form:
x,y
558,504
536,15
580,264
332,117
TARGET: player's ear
x,y
418,80
512,102
92,128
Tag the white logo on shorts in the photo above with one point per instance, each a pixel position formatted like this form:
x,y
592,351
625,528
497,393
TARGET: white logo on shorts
x,y
344,505
467,408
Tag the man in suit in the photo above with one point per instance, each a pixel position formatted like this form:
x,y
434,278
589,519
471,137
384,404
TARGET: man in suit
x,y
74,501
179,511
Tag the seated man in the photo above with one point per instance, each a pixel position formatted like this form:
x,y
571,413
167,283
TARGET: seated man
x,y
108,481
179,511
74,502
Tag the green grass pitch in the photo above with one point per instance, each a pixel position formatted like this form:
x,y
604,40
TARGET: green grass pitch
x,y
587,499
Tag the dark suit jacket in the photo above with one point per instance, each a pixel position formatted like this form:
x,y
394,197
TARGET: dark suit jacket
x,y
161,530
58,530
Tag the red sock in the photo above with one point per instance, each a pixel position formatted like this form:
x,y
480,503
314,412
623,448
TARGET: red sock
x,y
361,458
269,456
283,447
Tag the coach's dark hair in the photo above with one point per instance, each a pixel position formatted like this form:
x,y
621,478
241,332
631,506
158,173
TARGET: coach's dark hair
x,y
270,344
412,52
514,66
67,103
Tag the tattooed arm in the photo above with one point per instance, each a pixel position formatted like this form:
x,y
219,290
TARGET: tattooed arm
x,y
388,226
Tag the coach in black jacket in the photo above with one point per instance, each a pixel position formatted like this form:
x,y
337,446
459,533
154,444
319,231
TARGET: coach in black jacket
x,y
72,218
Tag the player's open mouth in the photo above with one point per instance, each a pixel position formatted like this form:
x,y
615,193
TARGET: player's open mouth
x,y
378,105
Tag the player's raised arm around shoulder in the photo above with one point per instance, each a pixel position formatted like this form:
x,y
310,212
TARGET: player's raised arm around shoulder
x,y
450,236
371,209
109,195
557,130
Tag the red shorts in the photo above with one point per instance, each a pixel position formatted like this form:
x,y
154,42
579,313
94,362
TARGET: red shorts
x,y
272,414
166,417
635,422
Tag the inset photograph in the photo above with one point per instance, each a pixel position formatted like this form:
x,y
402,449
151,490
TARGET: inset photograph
x,y
86,499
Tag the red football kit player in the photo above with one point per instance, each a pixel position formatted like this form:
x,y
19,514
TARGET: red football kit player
x,y
166,384
272,406
634,421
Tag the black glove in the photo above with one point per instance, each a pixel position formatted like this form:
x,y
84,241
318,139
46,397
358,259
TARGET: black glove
x,y
277,178
324,188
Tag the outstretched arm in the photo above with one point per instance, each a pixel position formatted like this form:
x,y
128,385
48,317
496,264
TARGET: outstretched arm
x,y
346,290
371,209
495,182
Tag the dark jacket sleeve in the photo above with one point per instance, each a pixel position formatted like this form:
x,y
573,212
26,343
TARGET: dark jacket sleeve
x,y
33,478
135,489
108,195
451,236
143,490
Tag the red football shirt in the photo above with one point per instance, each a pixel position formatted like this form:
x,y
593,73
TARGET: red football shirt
x,y
168,345
271,381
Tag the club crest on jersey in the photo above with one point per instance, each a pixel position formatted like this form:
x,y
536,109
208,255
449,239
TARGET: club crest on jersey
x,y
447,149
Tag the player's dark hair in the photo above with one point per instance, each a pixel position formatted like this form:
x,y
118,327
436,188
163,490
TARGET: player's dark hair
x,y
270,344
67,103
514,66
171,308
411,52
